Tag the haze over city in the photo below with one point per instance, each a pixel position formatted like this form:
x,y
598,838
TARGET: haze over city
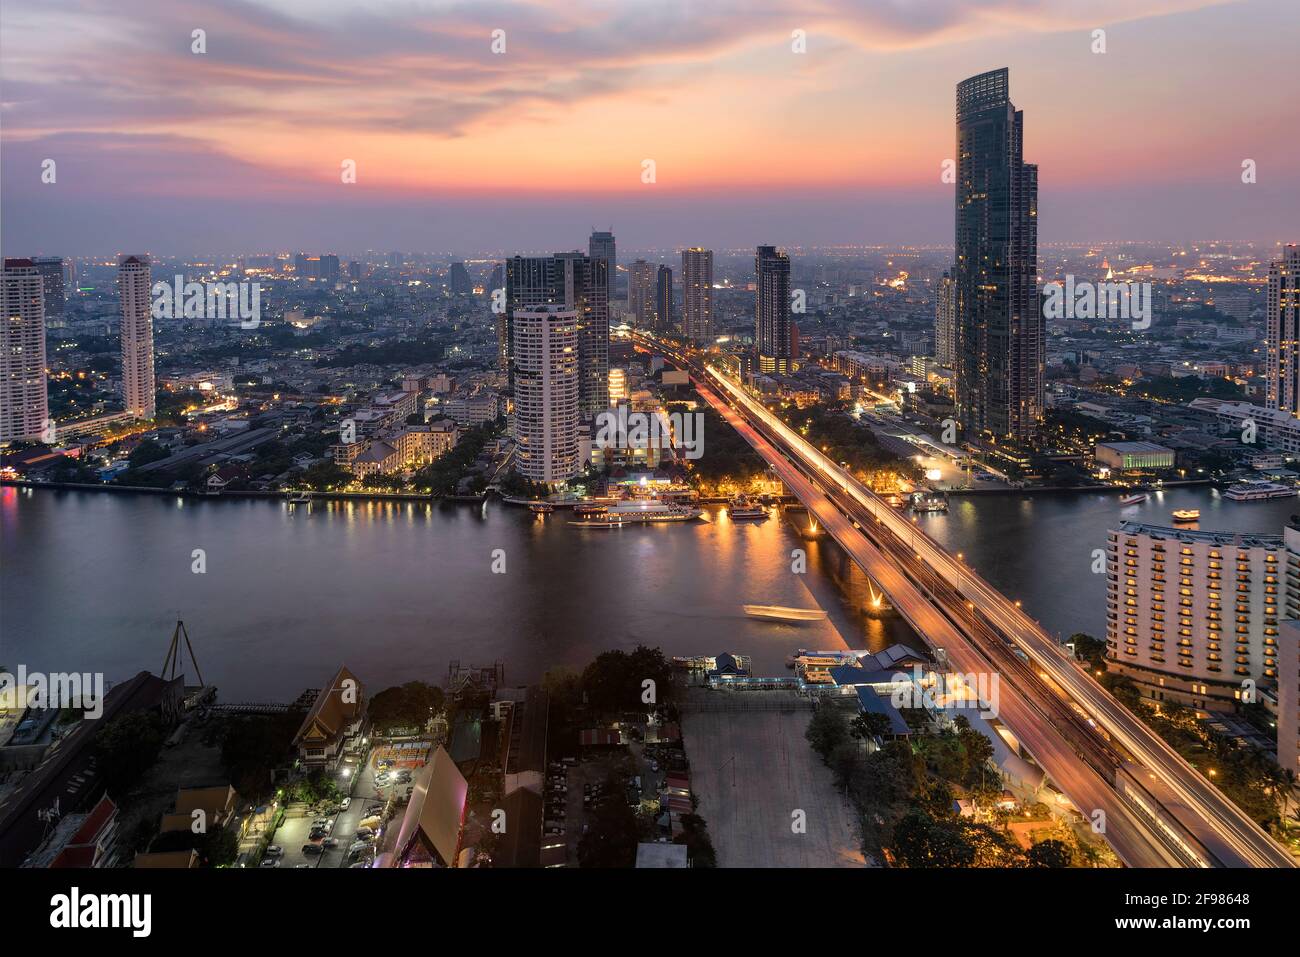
x,y
456,146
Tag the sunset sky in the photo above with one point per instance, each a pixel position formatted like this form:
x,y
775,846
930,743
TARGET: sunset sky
x,y
464,150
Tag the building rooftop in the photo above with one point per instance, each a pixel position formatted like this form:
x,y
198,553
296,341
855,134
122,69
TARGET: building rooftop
x,y
1242,539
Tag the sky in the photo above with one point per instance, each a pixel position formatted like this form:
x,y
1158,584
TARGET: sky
x,y
465,149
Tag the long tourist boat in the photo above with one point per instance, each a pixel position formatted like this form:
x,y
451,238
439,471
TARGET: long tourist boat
x,y
639,513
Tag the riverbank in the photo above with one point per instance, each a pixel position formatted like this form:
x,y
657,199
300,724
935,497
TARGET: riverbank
x,y
1062,489
377,495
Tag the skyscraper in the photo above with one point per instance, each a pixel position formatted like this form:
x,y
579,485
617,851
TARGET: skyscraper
x,y
772,310
23,397
945,321
51,270
137,336
601,246
1283,332
546,392
664,300
999,342
577,282
641,294
697,294
458,280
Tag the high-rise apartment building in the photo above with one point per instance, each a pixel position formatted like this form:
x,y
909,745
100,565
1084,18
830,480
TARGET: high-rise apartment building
x,y
133,281
641,294
23,395
772,329
697,294
1192,615
1000,332
1283,332
578,282
51,269
945,321
546,392
664,299
601,246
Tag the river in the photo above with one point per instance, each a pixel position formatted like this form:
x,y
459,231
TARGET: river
x,y
95,582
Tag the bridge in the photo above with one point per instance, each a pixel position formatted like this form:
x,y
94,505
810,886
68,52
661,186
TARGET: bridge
x,y
1155,809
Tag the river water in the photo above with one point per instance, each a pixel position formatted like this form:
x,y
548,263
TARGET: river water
x,y
95,582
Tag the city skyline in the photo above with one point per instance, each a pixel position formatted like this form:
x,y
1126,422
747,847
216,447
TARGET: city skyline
x,y
1129,159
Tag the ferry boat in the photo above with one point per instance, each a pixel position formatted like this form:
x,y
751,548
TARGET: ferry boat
x,y
1255,491
782,613
298,498
741,507
588,509
640,513
541,508
1134,499
1183,515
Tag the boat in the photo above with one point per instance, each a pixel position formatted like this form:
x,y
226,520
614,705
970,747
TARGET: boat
x,y
928,500
541,508
782,613
740,507
1253,491
588,509
1187,515
298,498
1134,499
640,513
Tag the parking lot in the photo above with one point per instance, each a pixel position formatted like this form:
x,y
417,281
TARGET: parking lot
x,y
752,771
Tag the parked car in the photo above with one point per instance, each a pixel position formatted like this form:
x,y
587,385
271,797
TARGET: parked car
x,y
312,849
345,804
270,862
275,850
317,833
330,842
365,834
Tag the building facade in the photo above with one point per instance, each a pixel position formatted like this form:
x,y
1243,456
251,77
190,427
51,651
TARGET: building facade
x,y
945,321
24,400
546,393
1193,617
576,282
697,294
999,342
772,325
1283,332
641,295
133,280
1288,696
664,300
601,246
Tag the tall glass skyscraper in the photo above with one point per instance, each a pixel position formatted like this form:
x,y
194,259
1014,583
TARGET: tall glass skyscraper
x,y
601,246
772,334
664,299
697,294
999,329
1283,332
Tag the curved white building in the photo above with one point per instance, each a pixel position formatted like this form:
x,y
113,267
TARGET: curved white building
x,y
546,392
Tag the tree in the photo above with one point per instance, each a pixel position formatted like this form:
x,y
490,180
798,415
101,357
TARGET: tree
x,y
827,730
1049,853
1089,649
406,706
127,748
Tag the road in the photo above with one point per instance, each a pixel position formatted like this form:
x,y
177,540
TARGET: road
x,y
1031,710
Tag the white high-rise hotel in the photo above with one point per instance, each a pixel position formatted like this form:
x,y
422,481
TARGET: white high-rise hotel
x,y
137,336
546,392
23,403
